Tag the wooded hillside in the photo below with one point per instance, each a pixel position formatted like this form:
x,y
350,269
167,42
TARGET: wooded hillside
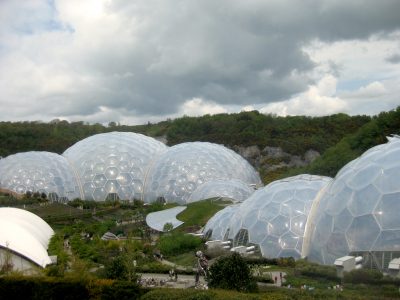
x,y
339,138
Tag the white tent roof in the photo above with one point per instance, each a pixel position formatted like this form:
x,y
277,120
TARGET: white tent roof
x,y
26,234
31,222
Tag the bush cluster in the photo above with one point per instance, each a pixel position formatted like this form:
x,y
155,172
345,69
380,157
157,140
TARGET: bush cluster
x,y
232,273
178,243
36,288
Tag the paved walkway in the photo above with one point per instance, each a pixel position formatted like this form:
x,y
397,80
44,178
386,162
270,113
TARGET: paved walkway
x,y
156,279
276,277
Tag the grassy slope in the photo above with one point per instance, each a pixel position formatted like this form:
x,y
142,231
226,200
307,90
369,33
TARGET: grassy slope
x,y
198,213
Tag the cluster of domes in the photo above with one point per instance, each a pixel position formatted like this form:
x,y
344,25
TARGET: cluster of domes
x,y
358,212
127,166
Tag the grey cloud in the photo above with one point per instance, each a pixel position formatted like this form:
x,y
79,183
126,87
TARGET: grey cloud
x,y
394,59
231,52
221,50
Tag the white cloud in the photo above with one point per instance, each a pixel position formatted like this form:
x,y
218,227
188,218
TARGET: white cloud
x,y
248,108
318,100
373,90
199,107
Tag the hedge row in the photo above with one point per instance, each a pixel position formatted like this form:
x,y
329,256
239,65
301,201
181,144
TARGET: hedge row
x,y
38,288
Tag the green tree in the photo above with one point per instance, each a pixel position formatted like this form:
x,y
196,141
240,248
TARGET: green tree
x,y
232,273
121,267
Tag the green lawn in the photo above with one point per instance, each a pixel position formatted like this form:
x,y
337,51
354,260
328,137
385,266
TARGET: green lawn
x,y
198,213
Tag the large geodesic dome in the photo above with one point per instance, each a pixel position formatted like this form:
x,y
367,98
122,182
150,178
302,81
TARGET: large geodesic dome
x,y
113,165
233,189
184,167
216,227
42,172
274,218
359,210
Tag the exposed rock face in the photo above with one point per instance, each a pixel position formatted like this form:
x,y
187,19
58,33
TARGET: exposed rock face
x,y
269,158
272,158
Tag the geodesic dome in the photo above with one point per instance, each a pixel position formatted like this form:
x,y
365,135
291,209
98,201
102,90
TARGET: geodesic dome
x,y
233,189
274,218
360,210
216,227
113,165
183,168
42,172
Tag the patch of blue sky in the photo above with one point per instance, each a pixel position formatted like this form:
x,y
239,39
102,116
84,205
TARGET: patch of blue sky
x,y
352,85
31,28
37,21
356,84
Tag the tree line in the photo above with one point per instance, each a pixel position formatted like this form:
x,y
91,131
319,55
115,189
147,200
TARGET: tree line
x,y
339,137
293,134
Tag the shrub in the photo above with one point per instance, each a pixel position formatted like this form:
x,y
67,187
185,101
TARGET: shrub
x,y
178,294
178,243
363,276
231,273
121,290
121,268
316,271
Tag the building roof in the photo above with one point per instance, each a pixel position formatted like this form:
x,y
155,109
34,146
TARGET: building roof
x,y
25,234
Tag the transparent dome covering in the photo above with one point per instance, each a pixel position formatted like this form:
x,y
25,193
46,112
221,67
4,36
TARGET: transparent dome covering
x,y
216,227
42,172
113,165
233,189
184,167
359,210
274,218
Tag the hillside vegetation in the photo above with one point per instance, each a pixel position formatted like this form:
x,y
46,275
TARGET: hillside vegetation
x,y
353,145
293,134
339,138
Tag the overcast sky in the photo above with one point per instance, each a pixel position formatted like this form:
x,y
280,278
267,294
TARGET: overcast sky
x,y
148,60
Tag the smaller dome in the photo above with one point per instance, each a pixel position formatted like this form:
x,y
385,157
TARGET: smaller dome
x,y
42,172
233,189
216,228
274,218
183,168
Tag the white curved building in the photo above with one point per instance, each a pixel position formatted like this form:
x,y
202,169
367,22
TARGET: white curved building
x,y
183,168
24,237
113,165
274,217
233,189
359,211
42,172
